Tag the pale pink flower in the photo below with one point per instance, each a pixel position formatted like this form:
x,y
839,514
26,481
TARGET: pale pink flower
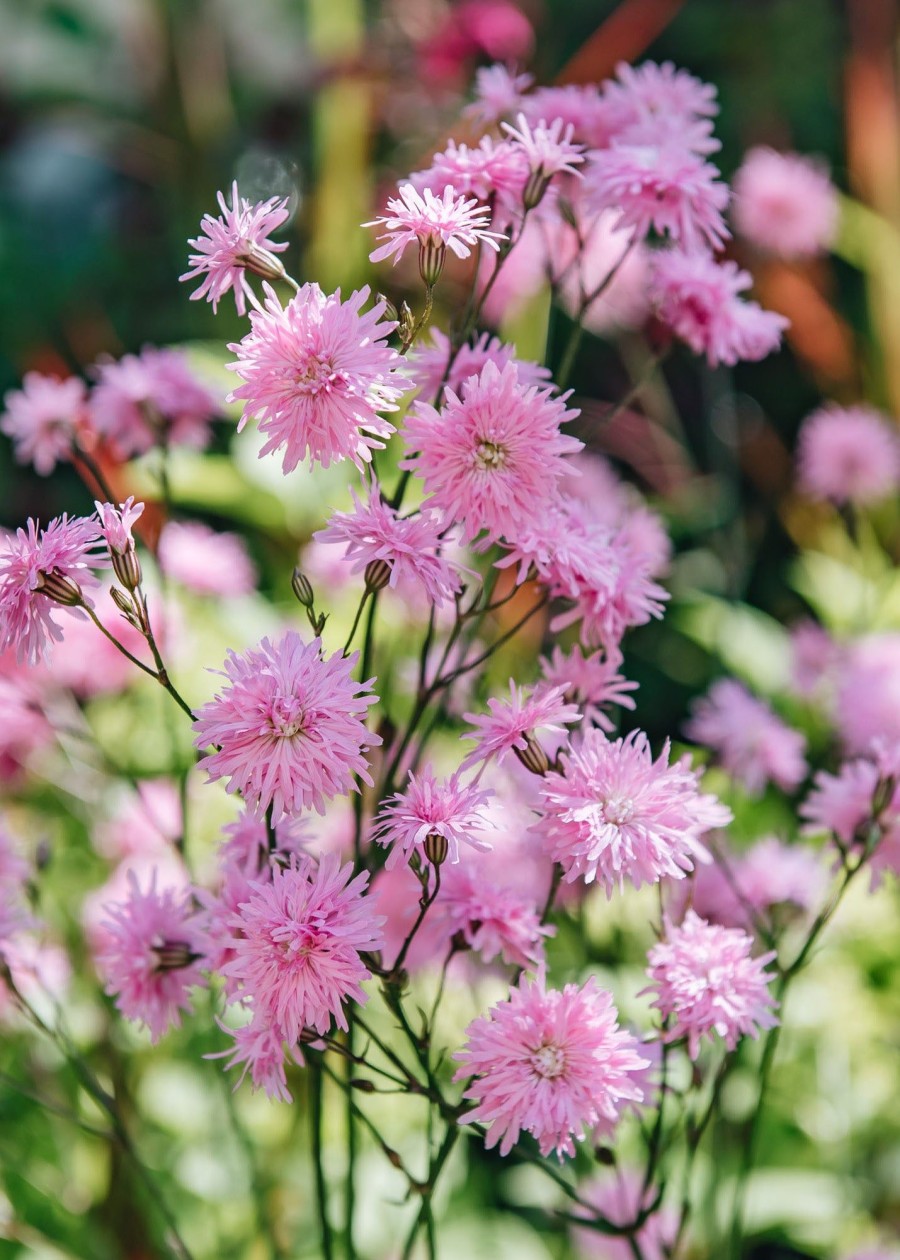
x,y
619,1198
752,743
667,189
43,418
772,874
316,374
493,168
147,823
230,243
428,363
432,806
785,203
151,399
700,300
260,1050
655,104
848,455
513,725
375,534
248,846
582,262
288,728
814,658
58,558
590,682
705,982
434,222
205,560
493,919
550,1062
492,455
548,149
867,702
163,868
498,93
298,943
575,105
116,524
151,956
614,813
25,728
842,803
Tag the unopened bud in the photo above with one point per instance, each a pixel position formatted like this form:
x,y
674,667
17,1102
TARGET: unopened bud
x,y
302,588
377,575
406,324
436,848
261,262
883,795
173,955
537,184
432,252
127,568
390,311
364,1086
532,756
566,212
59,588
122,602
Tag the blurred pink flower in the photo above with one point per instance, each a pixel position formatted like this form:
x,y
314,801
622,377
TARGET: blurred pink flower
x,y
549,1062
151,399
867,702
205,560
785,203
259,1048
44,418
590,682
492,168
340,374
848,455
706,982
428,363
619,1198
752,743
498,93
657,105
288,728
814,658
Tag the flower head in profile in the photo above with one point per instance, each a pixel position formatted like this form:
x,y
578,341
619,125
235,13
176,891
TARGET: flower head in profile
x,y
705,982
116,524
436,224
590,682
392,549
785,203
316,375
40,572
298,939
493,454
43,418
259,1049
206,560
150,399
233,243
614,813
288,727
848,455
752,743
666,189
549,150
512,725
548,1062
700,300
498,93
152,954
447,808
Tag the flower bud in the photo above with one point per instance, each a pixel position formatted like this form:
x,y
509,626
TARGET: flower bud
x,y
391,314
537,184
432,252
59,588
127,568
261,262
436,848
532,756
883,795
302,587
377,575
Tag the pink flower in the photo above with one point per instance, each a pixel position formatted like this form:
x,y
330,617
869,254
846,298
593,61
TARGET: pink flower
x,y
43,419
151,399
705,982
752,742
512,725
498,93
493,919
655,104
848,455
549,1062
431,806
235,241
148,823
574,105
667,188
615,813
814,658
493,168
151,956
590,682
436,223
316,374
583,260
785,203
842,803
25,728
298,943
548,149
408,547
259,1049
699,299
739,890
206,561
619,1197
493,455
33,565
428,363
868,692
288,727
247,844
116,524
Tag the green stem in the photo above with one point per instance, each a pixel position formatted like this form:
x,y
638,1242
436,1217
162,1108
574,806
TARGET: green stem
x,y
315,1124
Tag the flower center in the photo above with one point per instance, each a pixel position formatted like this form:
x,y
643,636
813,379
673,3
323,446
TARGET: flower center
x,y
549,1061
618,810
314,374
288,717
490,455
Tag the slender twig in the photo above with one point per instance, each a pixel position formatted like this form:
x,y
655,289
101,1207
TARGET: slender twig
x,y
426,902
315,1128
82,456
